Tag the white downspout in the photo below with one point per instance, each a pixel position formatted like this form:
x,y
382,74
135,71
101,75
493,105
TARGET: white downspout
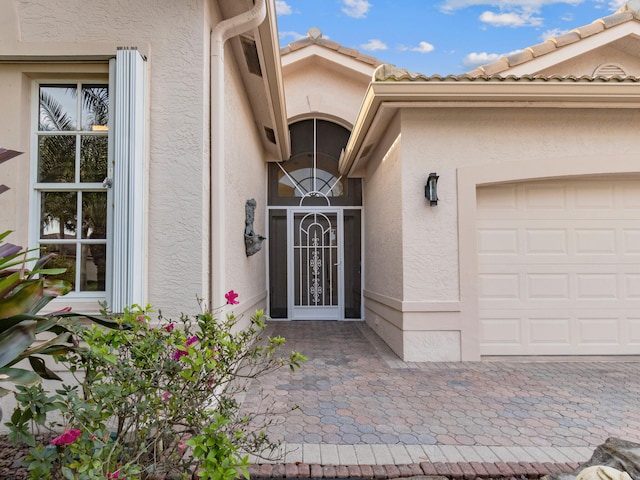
x,y
222,32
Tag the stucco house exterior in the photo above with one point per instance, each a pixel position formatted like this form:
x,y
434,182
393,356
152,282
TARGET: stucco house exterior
x,y
147,127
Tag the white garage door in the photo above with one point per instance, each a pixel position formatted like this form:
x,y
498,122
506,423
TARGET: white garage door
x,y
559,267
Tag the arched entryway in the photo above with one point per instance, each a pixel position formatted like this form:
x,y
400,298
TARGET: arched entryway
x,y
315,229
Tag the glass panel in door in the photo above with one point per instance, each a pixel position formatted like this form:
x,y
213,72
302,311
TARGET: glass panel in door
x,y
316,266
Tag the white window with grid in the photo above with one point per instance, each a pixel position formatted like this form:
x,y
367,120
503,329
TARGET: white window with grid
x,y
89,181
71,145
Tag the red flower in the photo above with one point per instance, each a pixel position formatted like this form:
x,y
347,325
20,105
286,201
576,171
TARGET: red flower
x,y
115,475
169,327
231,297
181,353
69,436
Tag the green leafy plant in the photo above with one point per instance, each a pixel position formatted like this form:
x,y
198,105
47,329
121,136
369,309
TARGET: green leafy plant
x,y
24,293
155,399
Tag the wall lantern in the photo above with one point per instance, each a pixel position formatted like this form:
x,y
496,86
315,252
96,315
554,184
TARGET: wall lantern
x,y
431,189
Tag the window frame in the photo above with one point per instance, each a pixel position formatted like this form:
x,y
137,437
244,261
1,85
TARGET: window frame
x,y
37,188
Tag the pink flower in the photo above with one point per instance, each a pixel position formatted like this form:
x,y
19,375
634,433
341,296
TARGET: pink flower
x,y
166,396
69,436
178,354
182,446
231,297
115,475
140,318
169,327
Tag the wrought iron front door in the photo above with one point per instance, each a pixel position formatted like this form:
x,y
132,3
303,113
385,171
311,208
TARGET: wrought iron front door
x,y
315,265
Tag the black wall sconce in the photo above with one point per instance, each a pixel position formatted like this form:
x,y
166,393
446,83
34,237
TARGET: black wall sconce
x,y
431,189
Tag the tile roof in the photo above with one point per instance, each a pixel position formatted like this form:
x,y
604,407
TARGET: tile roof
x,y
626,13
314,37
389,73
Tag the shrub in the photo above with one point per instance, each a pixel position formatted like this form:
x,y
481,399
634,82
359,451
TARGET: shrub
x,y
154,400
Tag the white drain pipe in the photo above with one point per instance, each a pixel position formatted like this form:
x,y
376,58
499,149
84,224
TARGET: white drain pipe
x,y
222,32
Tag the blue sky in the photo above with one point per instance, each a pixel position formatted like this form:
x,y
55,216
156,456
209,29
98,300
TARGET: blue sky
x,y
441,36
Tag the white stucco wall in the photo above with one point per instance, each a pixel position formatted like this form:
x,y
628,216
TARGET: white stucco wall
x,y
245,178
446,140
605,55
15,93
314,87
175,37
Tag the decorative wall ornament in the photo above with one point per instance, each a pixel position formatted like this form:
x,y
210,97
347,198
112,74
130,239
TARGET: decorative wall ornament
x,y
252,240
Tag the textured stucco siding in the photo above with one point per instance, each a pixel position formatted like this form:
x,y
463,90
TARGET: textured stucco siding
x,y
175,36
14,173
443,141
384,222
245,178
316,91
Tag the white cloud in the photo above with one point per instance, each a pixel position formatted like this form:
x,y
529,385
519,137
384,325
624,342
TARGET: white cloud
x,y
374,45
510,19
356,8
556,32
293,35
505,5
474,59
477,59
616,4
423,47
282,8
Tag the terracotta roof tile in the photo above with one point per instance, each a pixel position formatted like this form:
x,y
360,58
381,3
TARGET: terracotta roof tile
x,y
624,14
389,73
591,29
566,39
542,48
616,19
519,57
314,37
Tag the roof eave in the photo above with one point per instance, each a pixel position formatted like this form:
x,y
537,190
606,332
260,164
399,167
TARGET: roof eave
x,y
272,72
384,98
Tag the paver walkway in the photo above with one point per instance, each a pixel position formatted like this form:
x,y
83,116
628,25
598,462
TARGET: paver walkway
x,y
360,405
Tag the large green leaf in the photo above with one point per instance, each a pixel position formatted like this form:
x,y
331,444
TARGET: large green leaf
x,y
60,342
16,340
54,287
23,300
19,376
9,282
42,370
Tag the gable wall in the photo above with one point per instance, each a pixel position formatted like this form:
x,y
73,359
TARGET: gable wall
x,y
588,63
313,87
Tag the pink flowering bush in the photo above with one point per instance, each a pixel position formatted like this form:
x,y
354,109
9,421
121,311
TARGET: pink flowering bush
x,y
69,436
155,400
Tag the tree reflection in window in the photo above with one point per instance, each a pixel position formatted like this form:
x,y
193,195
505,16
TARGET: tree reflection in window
x,y
72,164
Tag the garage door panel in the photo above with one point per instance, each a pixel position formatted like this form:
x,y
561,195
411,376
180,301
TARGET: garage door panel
x,y
548,286
597,286
499,286
594,330
632,331
546,241
592,241
501,331
559,268
550,332
631,241
498,241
